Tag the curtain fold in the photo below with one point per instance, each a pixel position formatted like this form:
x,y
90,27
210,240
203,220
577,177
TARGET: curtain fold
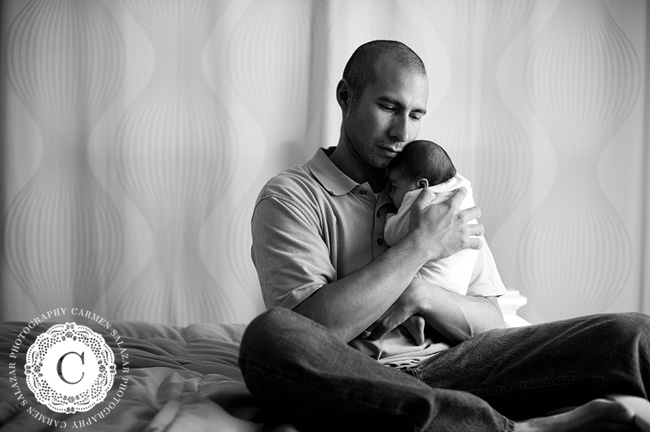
x,y
136,135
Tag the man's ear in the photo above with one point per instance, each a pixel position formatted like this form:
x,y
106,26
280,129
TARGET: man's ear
x,y
423,183
343,94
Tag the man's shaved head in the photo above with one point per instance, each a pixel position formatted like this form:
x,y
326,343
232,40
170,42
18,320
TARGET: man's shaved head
x,y
360,69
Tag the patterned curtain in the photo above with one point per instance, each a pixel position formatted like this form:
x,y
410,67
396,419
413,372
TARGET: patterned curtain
x,y
136,134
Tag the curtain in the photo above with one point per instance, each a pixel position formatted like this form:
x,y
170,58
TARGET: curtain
x,y
136,135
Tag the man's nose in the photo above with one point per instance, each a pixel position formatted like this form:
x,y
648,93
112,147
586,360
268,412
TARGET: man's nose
x,y
399,129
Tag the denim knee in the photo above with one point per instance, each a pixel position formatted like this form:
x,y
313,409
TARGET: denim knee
x,y
639,321
633,324
278,333
269,319
261,328
626,351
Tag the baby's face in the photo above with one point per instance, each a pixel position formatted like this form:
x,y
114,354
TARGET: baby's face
x,y
398,186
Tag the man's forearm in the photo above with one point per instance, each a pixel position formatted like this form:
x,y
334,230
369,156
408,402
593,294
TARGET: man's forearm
x,y
460,317
348,306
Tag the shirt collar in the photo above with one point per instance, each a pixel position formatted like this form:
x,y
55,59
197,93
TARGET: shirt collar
x,y
335,181
328,175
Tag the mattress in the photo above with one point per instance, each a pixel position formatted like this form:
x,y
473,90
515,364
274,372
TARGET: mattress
x,y
165,379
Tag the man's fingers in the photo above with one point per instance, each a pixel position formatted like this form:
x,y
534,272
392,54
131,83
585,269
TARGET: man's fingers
x,y
449,228
474,243
415,327
471,213
458,197
424,198
476,230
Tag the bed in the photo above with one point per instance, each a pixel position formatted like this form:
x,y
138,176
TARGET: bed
x,y
166,379
178,379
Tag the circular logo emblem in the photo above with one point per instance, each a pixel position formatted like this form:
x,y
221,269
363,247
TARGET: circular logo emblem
x,y
70,368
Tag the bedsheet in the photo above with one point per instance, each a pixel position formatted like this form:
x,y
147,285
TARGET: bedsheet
x,y
176,380
167,379
179,379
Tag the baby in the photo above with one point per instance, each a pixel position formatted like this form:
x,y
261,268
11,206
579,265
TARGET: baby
x,y
424,164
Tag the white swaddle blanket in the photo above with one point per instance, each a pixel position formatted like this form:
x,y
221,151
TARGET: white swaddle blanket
x,y
452,273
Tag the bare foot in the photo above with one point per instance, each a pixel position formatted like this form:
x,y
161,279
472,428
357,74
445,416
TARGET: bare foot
x,y
595,416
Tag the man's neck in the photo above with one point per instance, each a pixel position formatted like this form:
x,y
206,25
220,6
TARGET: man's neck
x,y
350,166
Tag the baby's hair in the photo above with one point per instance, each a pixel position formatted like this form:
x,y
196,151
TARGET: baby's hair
x,y
424,158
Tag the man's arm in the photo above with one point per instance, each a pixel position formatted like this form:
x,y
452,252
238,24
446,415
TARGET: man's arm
x,y
456,317
350,305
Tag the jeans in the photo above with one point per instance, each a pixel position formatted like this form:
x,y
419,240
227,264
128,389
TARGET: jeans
x,y
301,374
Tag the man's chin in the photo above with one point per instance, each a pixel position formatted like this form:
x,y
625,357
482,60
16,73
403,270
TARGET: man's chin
x,y
381,165
383,162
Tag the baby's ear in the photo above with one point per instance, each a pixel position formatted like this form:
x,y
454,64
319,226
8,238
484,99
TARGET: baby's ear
x,y
423,183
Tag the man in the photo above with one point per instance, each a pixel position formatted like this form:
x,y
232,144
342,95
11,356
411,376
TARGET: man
x,y
349,303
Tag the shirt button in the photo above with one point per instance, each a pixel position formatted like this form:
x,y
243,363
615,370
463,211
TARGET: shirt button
x,y
380,241
378,213
363,191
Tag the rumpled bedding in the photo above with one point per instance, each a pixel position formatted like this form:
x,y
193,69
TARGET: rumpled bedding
x,y
179,379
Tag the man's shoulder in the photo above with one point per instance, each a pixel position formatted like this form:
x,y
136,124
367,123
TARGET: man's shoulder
x,y
296,175
294,183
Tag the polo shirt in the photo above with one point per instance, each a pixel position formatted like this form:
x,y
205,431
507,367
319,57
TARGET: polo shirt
x,y
312,224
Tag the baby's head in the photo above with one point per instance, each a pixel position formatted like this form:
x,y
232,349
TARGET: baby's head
x,y
421,164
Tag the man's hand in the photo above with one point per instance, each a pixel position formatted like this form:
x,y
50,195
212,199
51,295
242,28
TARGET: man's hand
x,y
352,304
441,230
444,229
456,317
415,326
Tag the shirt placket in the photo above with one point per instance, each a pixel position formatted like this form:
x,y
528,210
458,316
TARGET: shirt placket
x,y
377,206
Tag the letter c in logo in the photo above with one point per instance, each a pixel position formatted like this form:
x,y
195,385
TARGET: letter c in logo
x,y
70,368
59,365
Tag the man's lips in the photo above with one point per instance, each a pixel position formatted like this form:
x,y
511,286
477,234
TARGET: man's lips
x,y
391,151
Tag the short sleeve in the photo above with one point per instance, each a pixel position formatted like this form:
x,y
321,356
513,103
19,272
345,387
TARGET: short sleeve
x,y
289,253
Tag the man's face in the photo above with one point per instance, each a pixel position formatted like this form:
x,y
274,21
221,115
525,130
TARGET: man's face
x,y
386,116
